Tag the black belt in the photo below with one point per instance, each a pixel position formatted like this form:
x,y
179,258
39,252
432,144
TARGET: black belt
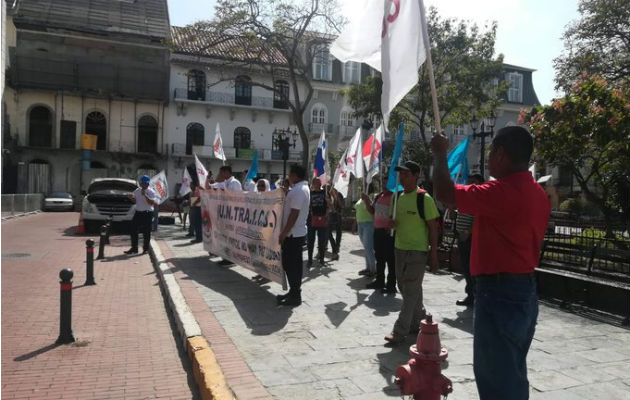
x,y
504,276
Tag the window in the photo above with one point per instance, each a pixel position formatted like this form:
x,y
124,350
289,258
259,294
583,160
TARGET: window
x,y
68,134
243,90
96,124
242,138
40,127
194,136
147,135
196,85
515,91
38,176
281,94
318,114
346,118
322,66
351,72
459,130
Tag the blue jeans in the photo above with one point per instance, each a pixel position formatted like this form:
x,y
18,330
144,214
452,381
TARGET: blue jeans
x,y
506,310
366,234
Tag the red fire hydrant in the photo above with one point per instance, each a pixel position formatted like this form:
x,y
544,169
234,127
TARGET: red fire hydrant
x,y
422,375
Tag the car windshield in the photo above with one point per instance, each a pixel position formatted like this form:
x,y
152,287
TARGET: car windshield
x,y
111,187
60,195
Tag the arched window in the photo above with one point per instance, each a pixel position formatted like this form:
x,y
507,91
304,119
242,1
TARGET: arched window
x,y
196,85
38,176
281,94
40,127
319,114
96,124
147,134
243,90
242,138
194,136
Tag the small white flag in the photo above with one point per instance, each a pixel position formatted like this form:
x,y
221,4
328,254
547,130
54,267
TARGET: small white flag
x,y
217,145
159,185
202,173
341,180
372,153
184,189
354,158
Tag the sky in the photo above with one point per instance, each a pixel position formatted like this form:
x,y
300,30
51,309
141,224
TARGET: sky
x,y
529,32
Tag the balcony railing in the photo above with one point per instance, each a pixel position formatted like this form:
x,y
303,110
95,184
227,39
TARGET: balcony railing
x,y
232,153
318,128
347,131
227,98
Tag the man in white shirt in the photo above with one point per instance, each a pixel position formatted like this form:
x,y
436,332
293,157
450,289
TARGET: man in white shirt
x,y
292,237
226,180
144,197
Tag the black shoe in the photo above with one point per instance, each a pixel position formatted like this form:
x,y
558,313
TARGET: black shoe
x,y
131,251
309,264
364,272
281,298
374,285
291,301
145,251
388,290
196,241
225,262
190,235
468,301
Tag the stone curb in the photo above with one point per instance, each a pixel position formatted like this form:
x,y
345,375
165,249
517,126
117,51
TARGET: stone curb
x,y
206,370
8,217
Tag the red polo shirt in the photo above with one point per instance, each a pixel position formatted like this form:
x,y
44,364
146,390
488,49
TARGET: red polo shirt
x,y
511,216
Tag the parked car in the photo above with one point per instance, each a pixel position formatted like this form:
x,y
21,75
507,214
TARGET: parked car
x,y
108,197
58,201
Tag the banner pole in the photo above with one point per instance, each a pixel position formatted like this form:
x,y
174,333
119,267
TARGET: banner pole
x,y
427,45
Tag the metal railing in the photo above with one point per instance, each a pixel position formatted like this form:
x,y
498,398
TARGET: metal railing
x,y
225,98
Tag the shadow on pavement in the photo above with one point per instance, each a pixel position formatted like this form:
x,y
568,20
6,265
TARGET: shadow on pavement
x,y
464,320
254,303
389,361
35,353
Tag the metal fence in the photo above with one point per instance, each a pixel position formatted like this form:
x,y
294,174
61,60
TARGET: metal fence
x,y
20,203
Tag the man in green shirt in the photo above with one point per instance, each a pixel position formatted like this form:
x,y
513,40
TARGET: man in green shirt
x,y
416,239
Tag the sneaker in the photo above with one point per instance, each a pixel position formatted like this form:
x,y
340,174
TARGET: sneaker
x,y
394,338
131,251
388,290
374,285
468,301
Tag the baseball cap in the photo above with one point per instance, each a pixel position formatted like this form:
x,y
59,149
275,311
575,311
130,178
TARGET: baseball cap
x,y
145,179
411,166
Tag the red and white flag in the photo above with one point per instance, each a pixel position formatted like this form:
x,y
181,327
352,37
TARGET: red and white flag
x,y
372,153
217,145
202,173
341,179
186,183
355,155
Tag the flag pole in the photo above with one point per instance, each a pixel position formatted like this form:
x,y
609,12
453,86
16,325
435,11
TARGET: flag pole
x,y
427,45
396,191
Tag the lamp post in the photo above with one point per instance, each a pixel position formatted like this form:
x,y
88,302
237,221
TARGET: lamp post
x,y
486,128
283,139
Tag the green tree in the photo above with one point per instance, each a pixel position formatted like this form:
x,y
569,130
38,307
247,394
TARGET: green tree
x,y
278,39
588,132
597,44
465,69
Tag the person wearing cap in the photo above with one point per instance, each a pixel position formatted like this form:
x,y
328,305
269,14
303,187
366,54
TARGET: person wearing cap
x,y
415,242
144,197
511,215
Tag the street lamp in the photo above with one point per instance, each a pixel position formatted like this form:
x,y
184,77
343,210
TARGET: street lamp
x,y
282,140
486,128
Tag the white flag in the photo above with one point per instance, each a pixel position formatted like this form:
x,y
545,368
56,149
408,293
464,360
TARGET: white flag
x,y
360,39
202,173
372,153
186,182
341,180
532,170
159,184
402,50
217,145
354,158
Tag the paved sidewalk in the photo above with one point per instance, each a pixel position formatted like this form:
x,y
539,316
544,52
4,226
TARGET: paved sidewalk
x,y
332,346
126,346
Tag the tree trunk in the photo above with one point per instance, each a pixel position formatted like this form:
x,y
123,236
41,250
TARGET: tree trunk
x,y
304,137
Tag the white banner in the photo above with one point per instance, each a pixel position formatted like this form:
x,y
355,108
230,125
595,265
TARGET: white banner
x,y
244,227
159,184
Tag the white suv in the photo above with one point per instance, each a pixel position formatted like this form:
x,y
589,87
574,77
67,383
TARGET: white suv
x,y
108,197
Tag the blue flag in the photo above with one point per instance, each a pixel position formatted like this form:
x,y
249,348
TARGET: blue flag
x,y
458,162
320,165
391,180
253,169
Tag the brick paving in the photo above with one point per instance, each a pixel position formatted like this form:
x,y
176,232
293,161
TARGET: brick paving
x,y
332,346
126,346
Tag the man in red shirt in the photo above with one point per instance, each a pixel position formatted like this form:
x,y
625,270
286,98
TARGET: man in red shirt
x,y
511,215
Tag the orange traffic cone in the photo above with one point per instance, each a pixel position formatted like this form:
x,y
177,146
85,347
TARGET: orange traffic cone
x,y
81,226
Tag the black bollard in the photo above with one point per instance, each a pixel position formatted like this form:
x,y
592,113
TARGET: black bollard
x,y
65,309
89,262
109,228
101,243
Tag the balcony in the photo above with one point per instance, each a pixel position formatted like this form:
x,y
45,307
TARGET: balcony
x,y
229,99
232,153
346,131
317,129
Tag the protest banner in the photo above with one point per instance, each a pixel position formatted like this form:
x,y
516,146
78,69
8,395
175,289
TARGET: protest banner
x,y
244,227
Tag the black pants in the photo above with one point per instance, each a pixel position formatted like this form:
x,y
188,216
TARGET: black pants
x,y
141,223
384,253
464,256
334,226
195,222
292,263
322,241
